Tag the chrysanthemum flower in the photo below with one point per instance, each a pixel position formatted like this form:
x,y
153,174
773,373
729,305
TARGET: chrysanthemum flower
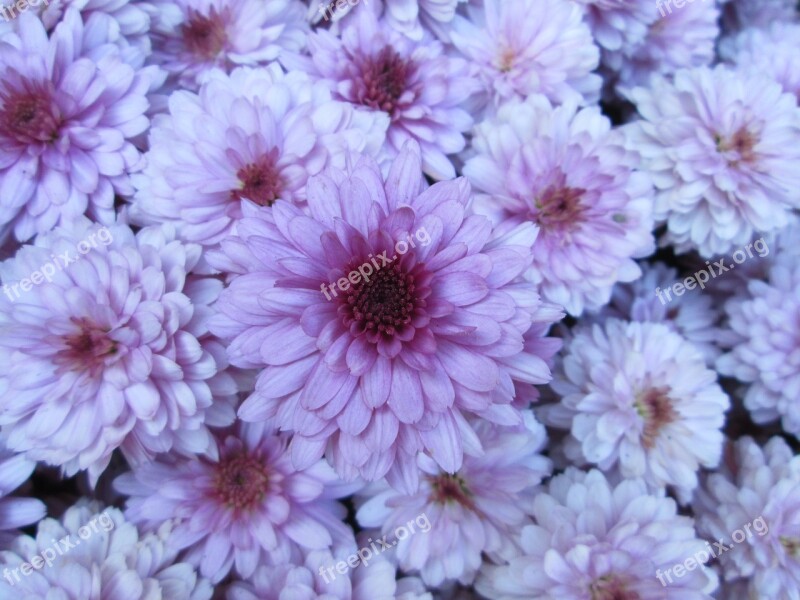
x,y
414,18
639,398
757,494
415,83
126,23
254,135
103,345
16,512
772,51
593,540
69,105
476,510
523,47
247,507
723,148
192,37
766,322
565,170
743,14
682,39
96,554
695,316
317,579
381,367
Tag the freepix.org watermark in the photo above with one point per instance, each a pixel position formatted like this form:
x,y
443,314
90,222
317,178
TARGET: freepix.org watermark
x,y
701,556
21,6
48,556
365,271
48,269
678,4
365,554
328,10
701,277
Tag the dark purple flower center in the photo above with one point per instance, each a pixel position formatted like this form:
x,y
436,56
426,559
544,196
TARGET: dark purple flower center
x,y
558,206
655,407
203,35
87,349
447,488
385,78
241,481
261,181
29,116
387,304
611,587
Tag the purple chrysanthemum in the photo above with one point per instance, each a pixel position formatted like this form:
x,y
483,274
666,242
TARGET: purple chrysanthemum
x,y
523,47
765,320
69,105
756,493
695,316
593,540
312,580
722,148
246,507
16,512
254,135
772,51
383,368
415,83
565,170
638,398
97,555
109,349
192,37
474,511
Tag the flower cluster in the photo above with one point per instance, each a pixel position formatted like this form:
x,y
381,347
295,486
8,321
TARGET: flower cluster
x,y
399,299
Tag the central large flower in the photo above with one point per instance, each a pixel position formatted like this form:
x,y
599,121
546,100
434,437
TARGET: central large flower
x,y
397,313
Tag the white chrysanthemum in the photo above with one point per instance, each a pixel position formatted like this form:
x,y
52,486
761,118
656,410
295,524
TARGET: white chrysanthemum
x,y
318,579
255,135
723,149
474,511
766,321
593,540
102,558
694,315
772,51
108,348
568,172
524,47
681,39
756,493
639,398
191,37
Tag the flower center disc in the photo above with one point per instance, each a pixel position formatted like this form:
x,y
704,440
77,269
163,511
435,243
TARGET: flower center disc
x,y
29,117
241,481
655,408
261,181
204,36
384,305
385,78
